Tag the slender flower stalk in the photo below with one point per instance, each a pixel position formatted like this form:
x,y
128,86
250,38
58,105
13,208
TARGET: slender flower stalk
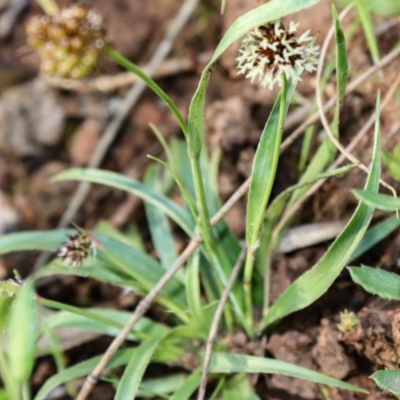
x,y
271,50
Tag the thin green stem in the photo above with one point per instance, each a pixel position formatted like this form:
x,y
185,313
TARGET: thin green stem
x,y
204,215
218,257
130,66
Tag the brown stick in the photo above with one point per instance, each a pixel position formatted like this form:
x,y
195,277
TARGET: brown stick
x,y
215,322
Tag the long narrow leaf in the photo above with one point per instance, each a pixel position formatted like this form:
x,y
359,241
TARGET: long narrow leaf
x,y
121,357
119,181
134,371
23,331
313,284
160,230
380,201
33,240
188,388
341,58
231,363
264,166
375,235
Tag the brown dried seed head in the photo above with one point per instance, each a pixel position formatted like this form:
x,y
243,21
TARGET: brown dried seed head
x,y
69,35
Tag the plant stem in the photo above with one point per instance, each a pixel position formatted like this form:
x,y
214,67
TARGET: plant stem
x,y
130,66
204,216
217,258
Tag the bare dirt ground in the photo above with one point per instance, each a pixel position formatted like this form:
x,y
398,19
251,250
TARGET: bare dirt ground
x,y
44,130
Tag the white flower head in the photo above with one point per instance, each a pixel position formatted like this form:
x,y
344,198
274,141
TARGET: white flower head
x,y
271,50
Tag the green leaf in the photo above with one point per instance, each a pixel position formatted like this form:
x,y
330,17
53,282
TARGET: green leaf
x,y
275,210
239,387
380,7
368,26
380,201
160,230
33,240
341,58
103,321
160,387
233,363
23,333
375,235
377,281
120,358
393,162
189,387
193,294
119,181
134,371
388,380
128,65
264,166
314,283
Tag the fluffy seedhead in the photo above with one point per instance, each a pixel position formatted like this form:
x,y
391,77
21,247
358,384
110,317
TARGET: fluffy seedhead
x,y
76,248
271,51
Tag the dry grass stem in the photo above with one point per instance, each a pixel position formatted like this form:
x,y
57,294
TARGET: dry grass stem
x,y
215,322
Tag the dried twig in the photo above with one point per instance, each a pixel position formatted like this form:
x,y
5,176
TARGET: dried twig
x,y
215,322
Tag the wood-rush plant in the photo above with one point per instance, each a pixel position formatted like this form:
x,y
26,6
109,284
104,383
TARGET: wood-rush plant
x,y
208,289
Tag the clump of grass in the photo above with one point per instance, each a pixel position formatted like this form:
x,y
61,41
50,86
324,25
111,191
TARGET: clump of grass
x,y
206,298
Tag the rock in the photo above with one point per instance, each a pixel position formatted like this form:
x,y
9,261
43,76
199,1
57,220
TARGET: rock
x,y
31,117
84,141
329,354
228,123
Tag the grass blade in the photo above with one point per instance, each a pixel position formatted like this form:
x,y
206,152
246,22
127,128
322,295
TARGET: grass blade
x,y
380,201
119,181
23,332
120,358
189,387
231,363
160,230
375,235
133,374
